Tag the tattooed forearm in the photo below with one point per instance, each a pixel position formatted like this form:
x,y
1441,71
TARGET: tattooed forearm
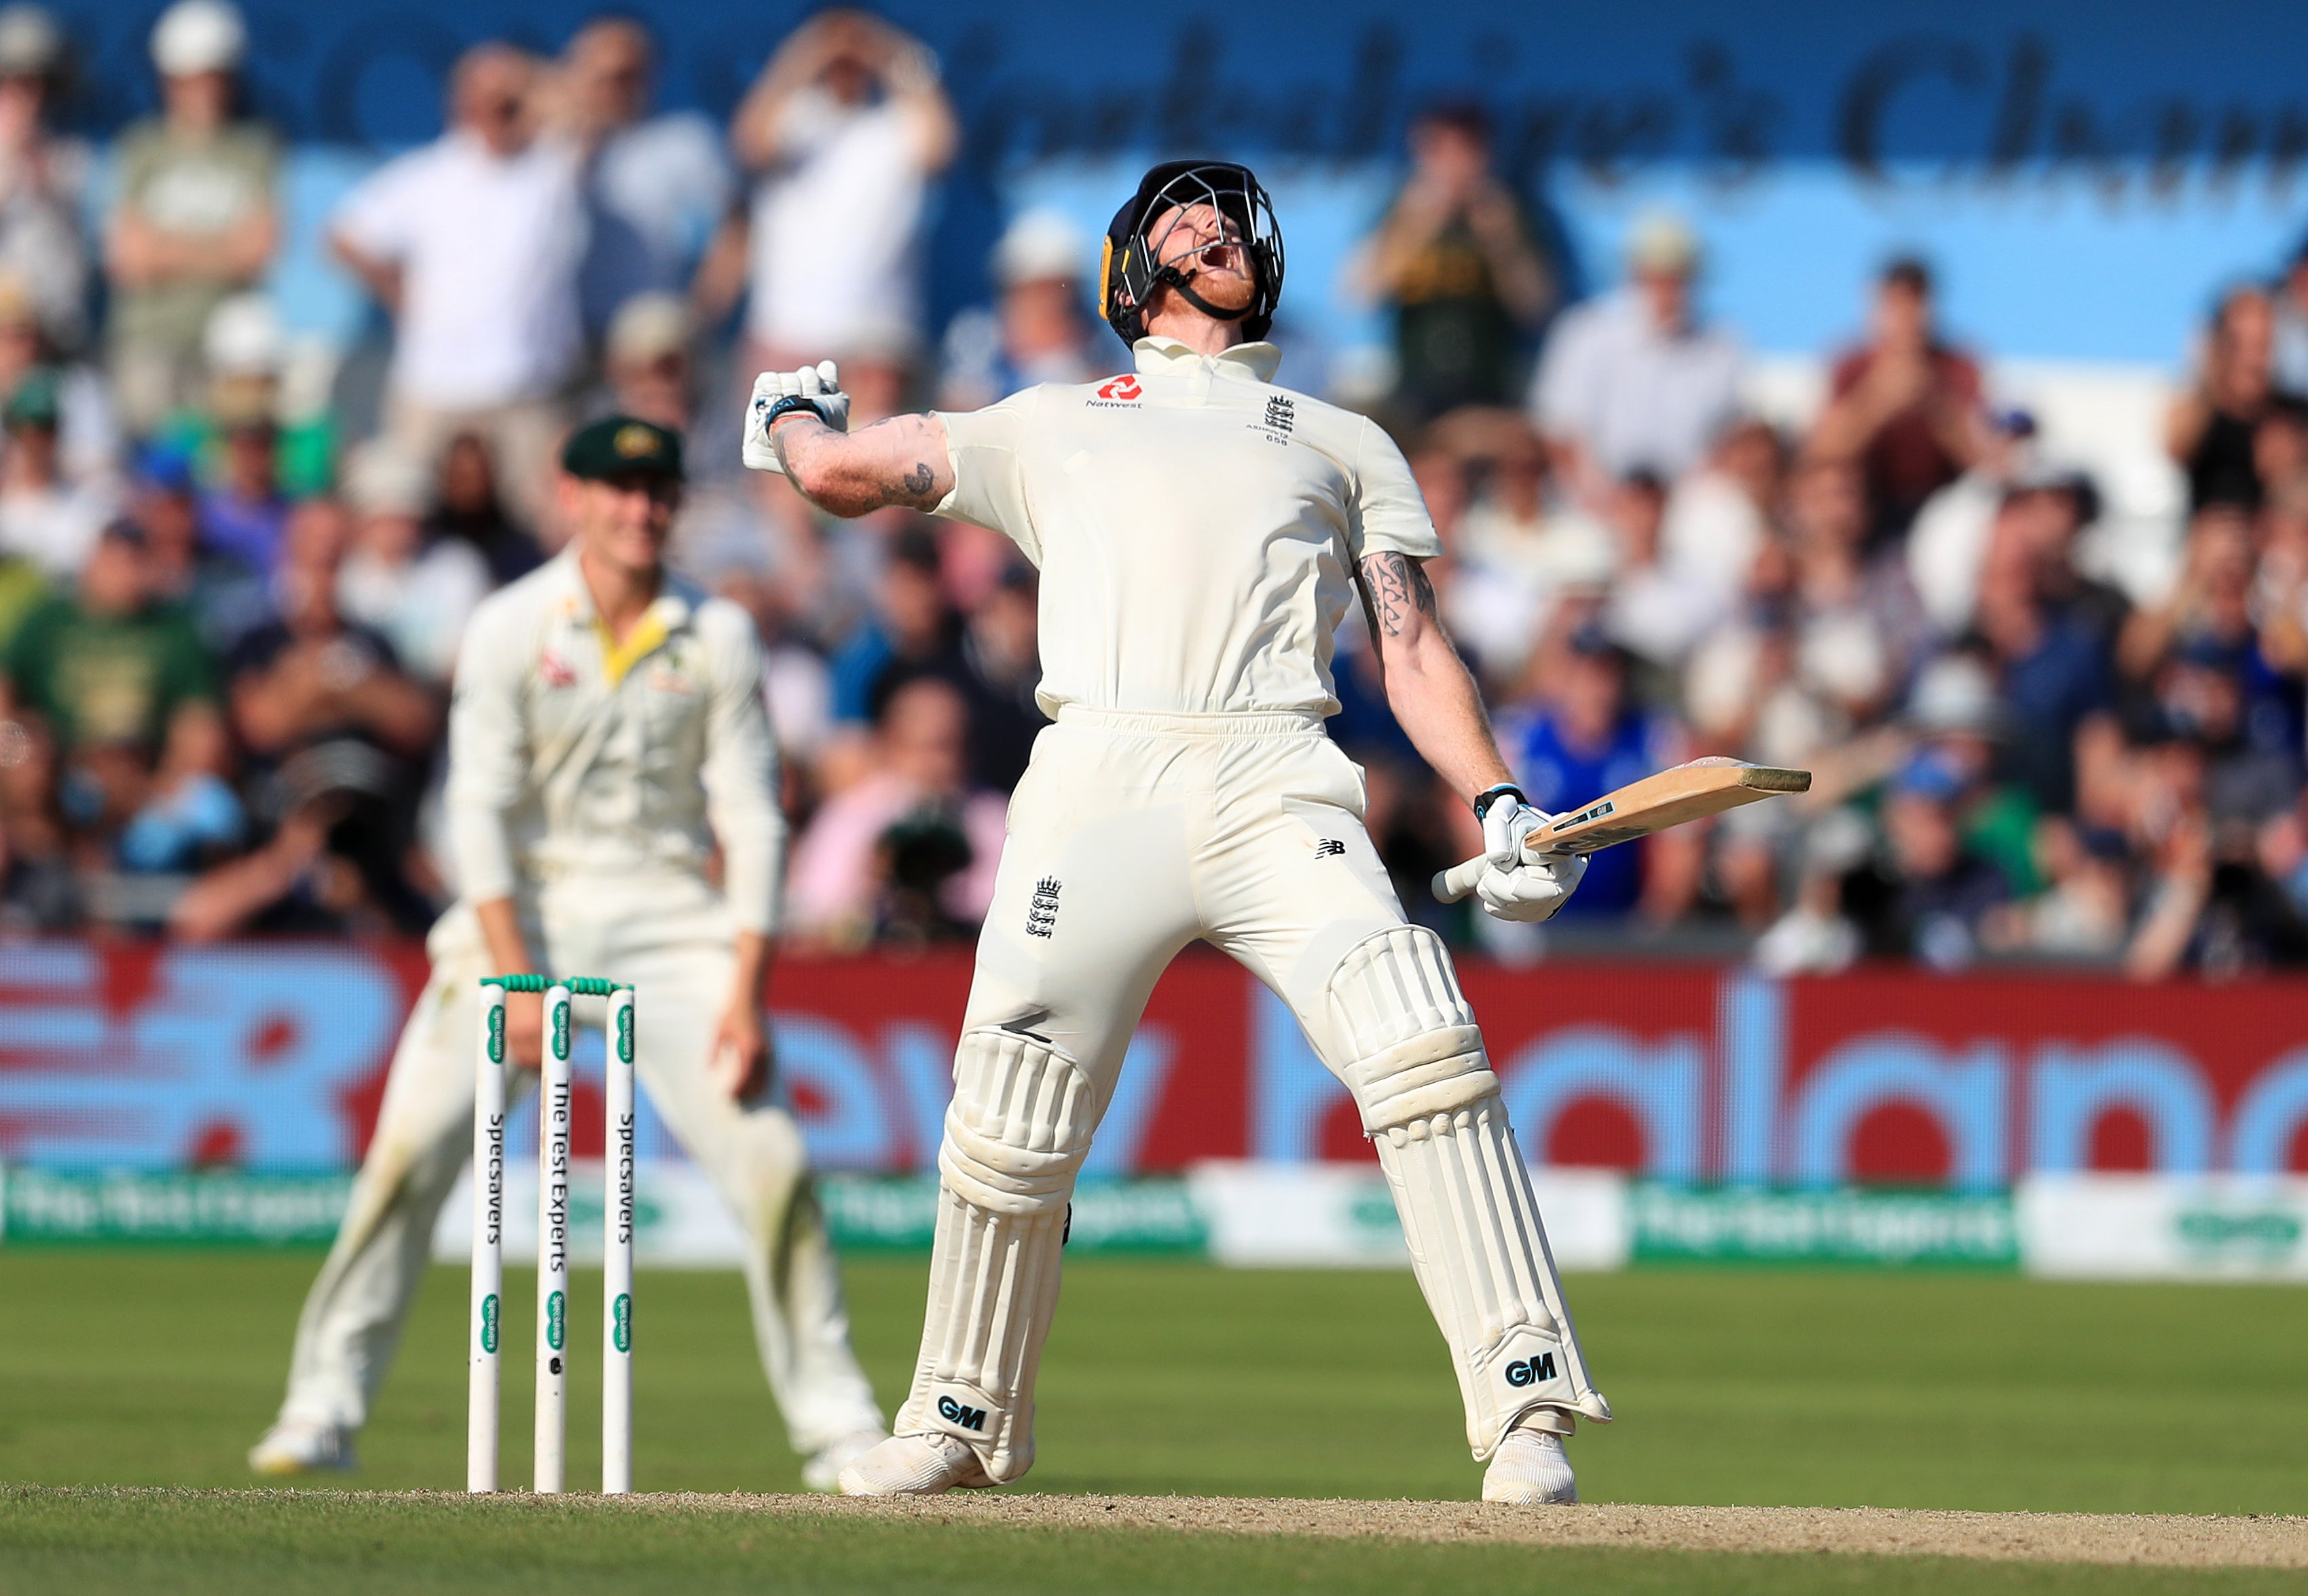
x,y
1394,585
788,428
897,461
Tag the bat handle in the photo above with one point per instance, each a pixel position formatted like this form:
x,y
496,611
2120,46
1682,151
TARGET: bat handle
x,y
1453,884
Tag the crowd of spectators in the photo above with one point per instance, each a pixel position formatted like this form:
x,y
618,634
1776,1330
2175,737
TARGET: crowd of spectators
x,y
228,624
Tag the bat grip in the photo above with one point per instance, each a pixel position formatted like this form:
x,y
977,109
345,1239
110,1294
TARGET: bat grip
x,y
1453,884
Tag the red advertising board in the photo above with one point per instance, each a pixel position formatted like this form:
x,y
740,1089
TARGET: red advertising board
x,y
272,1056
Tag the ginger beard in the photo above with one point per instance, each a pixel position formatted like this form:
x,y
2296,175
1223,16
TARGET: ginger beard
x,y
1206,246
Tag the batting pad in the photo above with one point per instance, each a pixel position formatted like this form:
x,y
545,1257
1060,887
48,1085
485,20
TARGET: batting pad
x,y
1015,1136
1416,1065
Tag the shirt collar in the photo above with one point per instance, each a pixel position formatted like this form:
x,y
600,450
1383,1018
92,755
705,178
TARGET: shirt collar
x,y
1259,361
670,608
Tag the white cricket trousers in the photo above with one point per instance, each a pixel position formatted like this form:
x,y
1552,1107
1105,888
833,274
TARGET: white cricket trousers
x,y
670,936
1130,836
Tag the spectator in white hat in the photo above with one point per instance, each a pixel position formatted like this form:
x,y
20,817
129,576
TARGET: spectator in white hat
x,y
648,362
196,220
1634,380
42,177
1037,330
473,242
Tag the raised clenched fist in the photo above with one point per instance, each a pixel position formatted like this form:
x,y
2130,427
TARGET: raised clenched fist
x,y
819,384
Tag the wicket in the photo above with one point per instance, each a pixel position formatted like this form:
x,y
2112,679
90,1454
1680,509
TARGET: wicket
x,y
553,1235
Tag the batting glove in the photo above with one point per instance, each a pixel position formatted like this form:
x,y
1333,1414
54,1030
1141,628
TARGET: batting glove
x,y
1507,818
813,388
1533,890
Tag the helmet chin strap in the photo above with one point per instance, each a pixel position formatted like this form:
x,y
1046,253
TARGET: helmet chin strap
x,y
1183,281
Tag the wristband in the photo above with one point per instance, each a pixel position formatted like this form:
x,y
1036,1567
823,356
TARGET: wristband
x,y
786,406
1490,796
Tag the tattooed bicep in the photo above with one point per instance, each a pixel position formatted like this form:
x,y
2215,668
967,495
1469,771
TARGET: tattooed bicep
x,y
1394,588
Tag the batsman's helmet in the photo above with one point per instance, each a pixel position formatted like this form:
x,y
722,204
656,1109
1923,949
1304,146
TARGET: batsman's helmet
x,y
1132,269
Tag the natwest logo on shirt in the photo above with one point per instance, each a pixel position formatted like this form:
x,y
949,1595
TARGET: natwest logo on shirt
x,y
553,672
1122,389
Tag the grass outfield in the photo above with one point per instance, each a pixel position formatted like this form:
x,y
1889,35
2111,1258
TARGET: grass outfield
x,y
1917,1390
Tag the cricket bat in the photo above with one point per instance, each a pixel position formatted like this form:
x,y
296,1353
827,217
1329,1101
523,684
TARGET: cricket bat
x,y
1686,793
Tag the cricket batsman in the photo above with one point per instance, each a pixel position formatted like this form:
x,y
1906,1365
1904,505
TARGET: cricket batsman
x,y
608,741
1199,534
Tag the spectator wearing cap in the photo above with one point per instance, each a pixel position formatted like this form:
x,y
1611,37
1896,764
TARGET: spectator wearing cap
x,y
1455,262
195,219
225,598
413,588
247,355
43,180
1930,892
474,243
1952,715
656,187
2048,513
1634,380
1037,330
844,132
87,438
122,681
2052,672
1904,407
242,511
45,518
2252,767
1579,737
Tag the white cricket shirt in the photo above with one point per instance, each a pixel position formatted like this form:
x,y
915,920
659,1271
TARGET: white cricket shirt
x,y
836,229
569,757
1196,528
488,247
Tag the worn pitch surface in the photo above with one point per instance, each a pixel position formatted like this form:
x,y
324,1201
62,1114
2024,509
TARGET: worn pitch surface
x,y
2150,1539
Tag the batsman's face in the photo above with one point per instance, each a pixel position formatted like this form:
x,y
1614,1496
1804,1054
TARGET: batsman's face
x,y
624,521
1208,246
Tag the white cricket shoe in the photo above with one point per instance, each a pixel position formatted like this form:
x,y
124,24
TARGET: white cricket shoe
x,y
822,1472
301,1447
914,1466
1529,1469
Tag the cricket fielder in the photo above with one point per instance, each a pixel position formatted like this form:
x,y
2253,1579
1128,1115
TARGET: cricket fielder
x,y
1200,533
608,733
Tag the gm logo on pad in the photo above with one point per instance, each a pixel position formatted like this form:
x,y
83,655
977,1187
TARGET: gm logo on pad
x,y
1531,1371
954,1413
